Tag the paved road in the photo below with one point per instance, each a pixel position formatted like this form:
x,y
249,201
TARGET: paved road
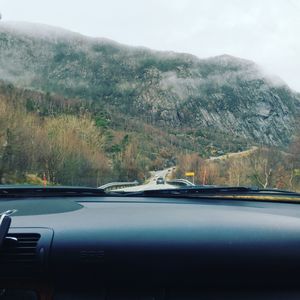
x,y
152,185
234,154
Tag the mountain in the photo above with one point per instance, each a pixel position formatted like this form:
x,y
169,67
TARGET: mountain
x,y
218,104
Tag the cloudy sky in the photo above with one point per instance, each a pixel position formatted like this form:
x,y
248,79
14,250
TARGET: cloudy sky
x,y
265,31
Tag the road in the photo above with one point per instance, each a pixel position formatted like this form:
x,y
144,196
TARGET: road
x,y
151,184
235,154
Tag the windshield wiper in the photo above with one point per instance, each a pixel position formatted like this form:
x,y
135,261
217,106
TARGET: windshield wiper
x,y
53,191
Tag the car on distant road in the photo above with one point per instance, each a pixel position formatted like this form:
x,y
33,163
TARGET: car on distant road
x,y
160,180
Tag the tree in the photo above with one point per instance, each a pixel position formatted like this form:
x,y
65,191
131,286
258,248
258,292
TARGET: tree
x,y
264,164
293,161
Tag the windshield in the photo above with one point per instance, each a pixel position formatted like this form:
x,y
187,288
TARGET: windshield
x,y
146,95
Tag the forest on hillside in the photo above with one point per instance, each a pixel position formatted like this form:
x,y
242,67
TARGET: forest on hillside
x,y
68,142
263,168
77,142
170,102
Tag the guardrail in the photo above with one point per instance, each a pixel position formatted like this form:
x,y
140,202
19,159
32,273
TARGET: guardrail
x,y
118,185
180,182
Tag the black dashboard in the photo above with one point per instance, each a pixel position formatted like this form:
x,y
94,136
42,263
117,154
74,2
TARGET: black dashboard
x,y
152,248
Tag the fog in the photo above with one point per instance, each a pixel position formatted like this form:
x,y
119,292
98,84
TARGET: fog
x,y
265,31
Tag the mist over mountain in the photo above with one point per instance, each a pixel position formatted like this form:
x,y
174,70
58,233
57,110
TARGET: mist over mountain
x,y
222,102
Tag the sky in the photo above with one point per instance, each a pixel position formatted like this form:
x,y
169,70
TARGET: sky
x,y
265,31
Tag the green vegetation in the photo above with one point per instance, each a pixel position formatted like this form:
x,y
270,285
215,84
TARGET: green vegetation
x,y
74,142
86,111
223,96
262,167
77,142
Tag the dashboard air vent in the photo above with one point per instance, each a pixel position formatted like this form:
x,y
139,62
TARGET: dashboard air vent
x,y
20,248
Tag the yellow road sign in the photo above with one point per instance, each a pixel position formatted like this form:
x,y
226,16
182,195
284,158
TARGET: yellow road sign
x,y
189,173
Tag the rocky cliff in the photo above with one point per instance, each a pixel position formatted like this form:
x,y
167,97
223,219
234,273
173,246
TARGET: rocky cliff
x,y
211,100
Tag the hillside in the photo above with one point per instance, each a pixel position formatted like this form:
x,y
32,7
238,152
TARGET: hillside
x,y
64,138
200,99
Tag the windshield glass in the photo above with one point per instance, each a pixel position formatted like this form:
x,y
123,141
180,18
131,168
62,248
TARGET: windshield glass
x,y
141,95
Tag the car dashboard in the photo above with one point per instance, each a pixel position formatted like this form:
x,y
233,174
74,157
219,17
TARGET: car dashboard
x,y
150,248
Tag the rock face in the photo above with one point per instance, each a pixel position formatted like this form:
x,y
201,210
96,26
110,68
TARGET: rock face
x,y
220,96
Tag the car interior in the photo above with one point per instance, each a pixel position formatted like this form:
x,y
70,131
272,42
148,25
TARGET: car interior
x,y
68,243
